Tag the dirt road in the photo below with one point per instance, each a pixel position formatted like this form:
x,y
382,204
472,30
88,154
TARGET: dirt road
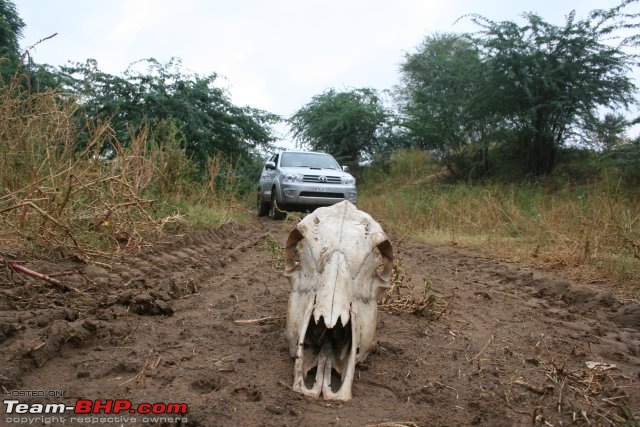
x,y
504,345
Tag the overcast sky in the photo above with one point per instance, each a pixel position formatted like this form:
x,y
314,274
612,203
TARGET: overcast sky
x,y
273,55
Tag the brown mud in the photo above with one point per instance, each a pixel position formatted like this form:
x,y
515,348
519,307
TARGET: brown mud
x,y
200,320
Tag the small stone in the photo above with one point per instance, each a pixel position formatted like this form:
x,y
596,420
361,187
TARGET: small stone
x,y
94,272
277,410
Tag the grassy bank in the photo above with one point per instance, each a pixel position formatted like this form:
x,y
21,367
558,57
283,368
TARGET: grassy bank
x,y
591,230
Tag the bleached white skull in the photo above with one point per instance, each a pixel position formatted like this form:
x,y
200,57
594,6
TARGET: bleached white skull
x,y
338,261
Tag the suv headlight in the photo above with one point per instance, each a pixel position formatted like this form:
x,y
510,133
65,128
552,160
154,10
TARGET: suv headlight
x,y
348,180
293,177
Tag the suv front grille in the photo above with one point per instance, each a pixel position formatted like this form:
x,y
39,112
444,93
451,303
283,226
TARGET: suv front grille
x,y
316,179
321,194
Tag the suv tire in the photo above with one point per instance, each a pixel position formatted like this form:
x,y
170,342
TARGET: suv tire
x,y
275,212
263,207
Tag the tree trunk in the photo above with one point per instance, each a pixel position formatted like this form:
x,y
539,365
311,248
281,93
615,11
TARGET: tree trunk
x,y
542,155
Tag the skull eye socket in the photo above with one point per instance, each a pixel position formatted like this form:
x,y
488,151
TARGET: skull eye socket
x,y
385,269
291,260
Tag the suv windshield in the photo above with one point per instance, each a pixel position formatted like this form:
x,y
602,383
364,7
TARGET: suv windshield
x,y
308,160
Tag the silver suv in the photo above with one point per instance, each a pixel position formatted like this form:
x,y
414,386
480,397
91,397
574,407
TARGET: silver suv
x,y
301,180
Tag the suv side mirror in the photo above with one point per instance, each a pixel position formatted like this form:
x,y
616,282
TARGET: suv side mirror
x,y
270,166
345,168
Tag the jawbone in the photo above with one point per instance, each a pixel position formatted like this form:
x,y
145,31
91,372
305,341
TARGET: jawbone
x,y
331,351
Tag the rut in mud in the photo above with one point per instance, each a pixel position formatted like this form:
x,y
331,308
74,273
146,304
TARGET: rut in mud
x,y
200,320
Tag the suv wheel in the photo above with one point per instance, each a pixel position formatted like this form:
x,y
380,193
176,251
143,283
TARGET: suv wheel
x,y
275,212
263,207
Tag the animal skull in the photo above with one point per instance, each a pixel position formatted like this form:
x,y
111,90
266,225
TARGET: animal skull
x,y
332,261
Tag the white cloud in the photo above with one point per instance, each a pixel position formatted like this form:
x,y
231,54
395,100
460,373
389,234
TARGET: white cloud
x,y
136,17
250,89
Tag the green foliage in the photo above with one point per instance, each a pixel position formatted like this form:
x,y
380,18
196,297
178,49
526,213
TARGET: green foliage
x,y
175,169
208,122
347,124
246,173
404,166
625,161
11,26
608,132
578,165
546,80
42,77
508,98
442,85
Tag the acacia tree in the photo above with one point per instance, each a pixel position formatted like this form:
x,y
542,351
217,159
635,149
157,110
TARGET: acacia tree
x,y
207,120
608,132
345,124
440,98
548,80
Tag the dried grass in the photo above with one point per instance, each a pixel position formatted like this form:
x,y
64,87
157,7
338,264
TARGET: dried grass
x,y
82,196
591,231
402,297
590,396
275,250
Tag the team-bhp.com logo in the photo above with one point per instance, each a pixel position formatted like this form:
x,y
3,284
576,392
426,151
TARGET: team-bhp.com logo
x,y
88,408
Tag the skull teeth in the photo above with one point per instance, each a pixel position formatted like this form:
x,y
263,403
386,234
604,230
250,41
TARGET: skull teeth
x,y
331,352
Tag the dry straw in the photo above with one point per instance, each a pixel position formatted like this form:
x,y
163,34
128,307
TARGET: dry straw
x,y
402,297
74,192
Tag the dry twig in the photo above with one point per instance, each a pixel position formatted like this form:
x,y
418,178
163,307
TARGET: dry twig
x,y
260,321
544,389
46,278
